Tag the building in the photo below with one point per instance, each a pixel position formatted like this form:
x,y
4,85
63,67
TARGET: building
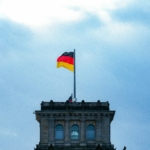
x,y
75,126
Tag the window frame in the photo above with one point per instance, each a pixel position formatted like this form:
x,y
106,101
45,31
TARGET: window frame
x,y
75,130
61,132
87,134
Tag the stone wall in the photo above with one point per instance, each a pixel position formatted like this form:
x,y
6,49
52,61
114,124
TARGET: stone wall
x,y
50,118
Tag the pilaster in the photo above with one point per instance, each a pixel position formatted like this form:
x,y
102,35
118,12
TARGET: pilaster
x,y
98,129
44,126
67,130
83,131
51,130
106,129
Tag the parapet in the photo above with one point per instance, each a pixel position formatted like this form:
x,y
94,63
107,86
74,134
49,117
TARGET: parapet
x,y
75,105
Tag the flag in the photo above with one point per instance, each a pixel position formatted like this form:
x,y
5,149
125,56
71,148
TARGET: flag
x,y
66,60
70,99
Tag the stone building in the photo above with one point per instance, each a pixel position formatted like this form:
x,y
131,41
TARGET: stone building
x,y
75,126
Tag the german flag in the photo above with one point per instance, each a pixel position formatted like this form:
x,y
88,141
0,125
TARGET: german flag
x,y
66,60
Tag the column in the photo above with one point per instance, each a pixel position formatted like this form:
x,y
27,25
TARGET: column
x,y
44,130
51,130
83,131
106,129
98,131
67,130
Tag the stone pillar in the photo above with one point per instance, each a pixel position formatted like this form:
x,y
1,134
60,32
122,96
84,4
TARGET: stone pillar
x,y
106,129
51,130
67,130
44,130
98,130
83,131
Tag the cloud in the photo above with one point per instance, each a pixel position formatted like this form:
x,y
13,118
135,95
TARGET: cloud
x,y
112,60
136,12
35,13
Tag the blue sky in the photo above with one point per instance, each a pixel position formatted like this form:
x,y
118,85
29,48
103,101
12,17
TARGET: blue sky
x,y
111,39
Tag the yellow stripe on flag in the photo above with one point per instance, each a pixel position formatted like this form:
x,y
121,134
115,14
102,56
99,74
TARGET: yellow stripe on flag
x,y
65,65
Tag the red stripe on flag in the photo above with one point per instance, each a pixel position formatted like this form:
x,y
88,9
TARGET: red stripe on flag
x,y
66,59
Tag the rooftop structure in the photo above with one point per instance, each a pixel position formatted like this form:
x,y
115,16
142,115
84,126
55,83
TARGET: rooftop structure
x,y
75,126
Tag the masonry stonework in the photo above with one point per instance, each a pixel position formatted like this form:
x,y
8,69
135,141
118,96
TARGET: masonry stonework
x,y
92,119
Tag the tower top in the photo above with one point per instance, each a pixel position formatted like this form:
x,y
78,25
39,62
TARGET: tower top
x,y
86,108
75,125
101,106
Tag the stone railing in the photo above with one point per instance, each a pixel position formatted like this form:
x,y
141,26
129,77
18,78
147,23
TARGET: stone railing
x,y
75,105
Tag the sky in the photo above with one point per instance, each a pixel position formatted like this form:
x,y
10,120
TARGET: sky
x,y
112,42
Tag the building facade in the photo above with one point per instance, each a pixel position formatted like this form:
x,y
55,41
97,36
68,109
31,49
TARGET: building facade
x,y
75,126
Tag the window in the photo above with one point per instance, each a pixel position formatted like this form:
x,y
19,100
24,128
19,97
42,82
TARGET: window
x,y
74,132
90,132
59,132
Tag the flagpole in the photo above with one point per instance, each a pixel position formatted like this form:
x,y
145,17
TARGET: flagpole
x,y
74,76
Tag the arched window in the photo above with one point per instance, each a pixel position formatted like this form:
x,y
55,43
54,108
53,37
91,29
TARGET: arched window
x,y
59,132
75,132
90,132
